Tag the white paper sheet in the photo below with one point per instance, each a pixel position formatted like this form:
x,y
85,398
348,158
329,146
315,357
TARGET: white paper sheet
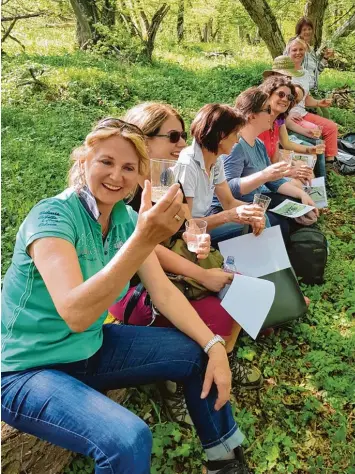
x,y
257,256
318,192
248,301
291,209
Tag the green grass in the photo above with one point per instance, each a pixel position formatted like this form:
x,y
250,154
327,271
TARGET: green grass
x,y
303,421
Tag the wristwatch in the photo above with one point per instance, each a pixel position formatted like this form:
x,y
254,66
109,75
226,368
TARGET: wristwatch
x,y
214,341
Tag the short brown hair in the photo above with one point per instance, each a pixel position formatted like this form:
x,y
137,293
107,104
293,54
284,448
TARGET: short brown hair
x,y
301,23
272,83
251,101
213,123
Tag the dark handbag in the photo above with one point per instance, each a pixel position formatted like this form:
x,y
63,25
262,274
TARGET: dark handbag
x,y
289,303
188,286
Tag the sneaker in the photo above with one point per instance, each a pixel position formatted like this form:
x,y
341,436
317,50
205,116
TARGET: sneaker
x,y
244,376
232,466
174,401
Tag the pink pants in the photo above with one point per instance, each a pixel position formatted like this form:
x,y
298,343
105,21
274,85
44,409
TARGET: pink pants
x,y
330,133
306,124
209,309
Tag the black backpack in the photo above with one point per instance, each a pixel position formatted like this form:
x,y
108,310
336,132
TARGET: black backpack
x,y
308,253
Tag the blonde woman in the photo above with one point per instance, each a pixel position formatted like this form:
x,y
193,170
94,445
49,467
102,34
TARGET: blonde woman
x,y
74,256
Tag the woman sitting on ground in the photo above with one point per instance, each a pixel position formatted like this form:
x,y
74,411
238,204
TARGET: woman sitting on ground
x,y
248,169
296,50
215,131
74,256
282,97
313,62
165,135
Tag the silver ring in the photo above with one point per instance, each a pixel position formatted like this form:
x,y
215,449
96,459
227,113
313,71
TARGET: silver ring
x,y
177,217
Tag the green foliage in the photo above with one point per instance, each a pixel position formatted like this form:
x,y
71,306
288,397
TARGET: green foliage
x,y
302,421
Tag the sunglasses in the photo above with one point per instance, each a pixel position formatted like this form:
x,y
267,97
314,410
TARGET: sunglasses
x,y
174,136
111,122
267,110
282,95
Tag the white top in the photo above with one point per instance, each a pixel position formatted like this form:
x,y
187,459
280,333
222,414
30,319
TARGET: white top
x,y
305,82
195,180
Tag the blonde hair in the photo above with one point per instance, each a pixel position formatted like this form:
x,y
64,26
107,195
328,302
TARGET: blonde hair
x,y
299,40
150,116
107,128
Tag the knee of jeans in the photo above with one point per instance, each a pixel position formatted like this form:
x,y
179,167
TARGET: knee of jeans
x,y
130,445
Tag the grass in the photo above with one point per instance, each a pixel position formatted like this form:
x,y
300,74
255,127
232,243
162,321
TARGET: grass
x,y
303,420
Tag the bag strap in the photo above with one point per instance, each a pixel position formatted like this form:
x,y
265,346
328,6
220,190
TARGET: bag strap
x,y
132,303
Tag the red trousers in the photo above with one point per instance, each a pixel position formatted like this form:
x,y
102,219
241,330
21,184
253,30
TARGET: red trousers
x,y
209,309
330,133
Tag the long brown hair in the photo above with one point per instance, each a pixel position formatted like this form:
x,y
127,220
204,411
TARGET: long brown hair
x,y
272,83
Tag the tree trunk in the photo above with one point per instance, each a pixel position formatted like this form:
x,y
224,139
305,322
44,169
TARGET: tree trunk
x,y
153,29
86,16
314,11
108,15
180,21
265,20
345,29
24,453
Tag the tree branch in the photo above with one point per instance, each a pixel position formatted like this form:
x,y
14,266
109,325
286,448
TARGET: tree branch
x,y
8,31
21,17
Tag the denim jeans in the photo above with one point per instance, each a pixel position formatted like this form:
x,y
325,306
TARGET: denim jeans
x,y
63,404
319,168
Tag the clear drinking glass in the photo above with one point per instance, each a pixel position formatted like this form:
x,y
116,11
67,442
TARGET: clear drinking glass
x,y
286,155
194,229
317,133
262,200
162,176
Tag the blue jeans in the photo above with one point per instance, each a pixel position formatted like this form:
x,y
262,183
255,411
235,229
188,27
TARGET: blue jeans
x,y
63,404
319,168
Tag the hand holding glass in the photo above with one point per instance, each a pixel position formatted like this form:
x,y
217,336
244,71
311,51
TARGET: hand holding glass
x,y
262,201
286,155
195,228
163,174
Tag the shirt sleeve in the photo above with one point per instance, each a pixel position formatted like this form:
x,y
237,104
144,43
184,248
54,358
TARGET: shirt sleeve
x,y
272,185
188,178
219,176
233,168
50,218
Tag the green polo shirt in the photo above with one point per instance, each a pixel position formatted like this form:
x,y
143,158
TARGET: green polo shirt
x,y
33,332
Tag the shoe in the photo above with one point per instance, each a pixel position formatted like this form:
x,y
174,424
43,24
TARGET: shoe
x,y
244,376
232,466
332,166
174,401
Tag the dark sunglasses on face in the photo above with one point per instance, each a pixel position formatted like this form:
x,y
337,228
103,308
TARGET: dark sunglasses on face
x,y
267,110
282,95
174,136
111,122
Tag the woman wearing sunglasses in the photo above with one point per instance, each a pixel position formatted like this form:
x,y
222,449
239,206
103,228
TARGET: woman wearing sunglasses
x,y
248,168
165,132
282,97
74,256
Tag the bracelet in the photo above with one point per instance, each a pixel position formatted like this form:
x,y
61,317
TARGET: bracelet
x,y
215,339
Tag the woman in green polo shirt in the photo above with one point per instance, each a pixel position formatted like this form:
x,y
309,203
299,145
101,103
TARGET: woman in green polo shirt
x,y
74,256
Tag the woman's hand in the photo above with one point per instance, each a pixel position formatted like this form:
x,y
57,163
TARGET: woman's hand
x,y
325,102
304,173
316,150
296,117
306,199
159,222
258,227
276,171
328,53
215,279
204,245
218,371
